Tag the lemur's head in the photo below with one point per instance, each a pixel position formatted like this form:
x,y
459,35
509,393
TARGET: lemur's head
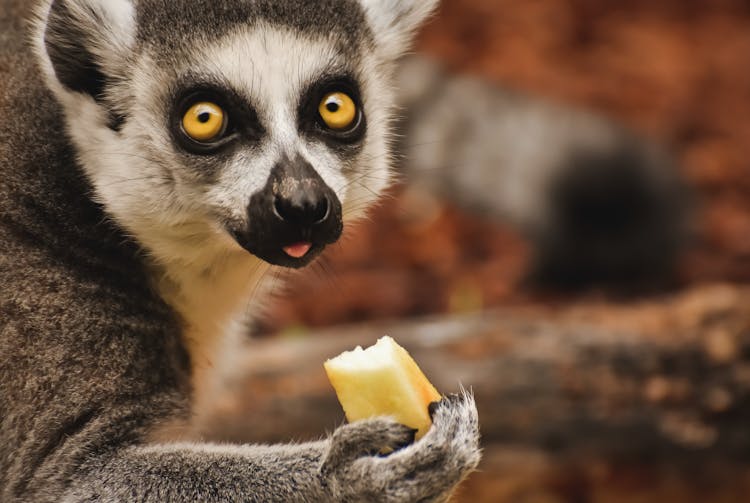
x,y
205,125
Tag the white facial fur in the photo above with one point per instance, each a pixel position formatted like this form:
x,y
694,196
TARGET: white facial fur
x,y
136,173
274,66
139,177
178,215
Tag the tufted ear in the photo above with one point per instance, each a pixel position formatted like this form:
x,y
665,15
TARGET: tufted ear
x,y
86,41
395,21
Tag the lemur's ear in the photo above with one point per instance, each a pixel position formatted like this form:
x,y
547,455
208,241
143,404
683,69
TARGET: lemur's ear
x,y
86,41
395,21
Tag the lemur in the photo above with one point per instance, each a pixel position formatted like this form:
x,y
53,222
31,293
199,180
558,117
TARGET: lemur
x,y
600,204
157,159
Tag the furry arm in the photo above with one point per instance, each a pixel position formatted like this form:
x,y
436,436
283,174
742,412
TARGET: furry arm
x,y
340,468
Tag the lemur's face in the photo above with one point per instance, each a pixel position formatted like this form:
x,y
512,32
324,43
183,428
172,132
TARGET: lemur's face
x,y
212,125
267,135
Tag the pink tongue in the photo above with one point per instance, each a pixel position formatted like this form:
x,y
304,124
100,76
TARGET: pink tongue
x,y
297,250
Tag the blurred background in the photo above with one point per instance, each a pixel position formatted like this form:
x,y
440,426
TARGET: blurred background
x,y
570,236
675,71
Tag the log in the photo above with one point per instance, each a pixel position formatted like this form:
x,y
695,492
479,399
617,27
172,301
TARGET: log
x,y
568,390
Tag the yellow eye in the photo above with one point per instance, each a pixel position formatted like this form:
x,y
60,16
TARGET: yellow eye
x,y
337,110
204,121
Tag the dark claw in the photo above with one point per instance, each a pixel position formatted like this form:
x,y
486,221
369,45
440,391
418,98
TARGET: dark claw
x,y
387,451
412,437
432,408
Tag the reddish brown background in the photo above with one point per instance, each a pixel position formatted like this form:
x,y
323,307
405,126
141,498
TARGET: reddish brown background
x,y
677,71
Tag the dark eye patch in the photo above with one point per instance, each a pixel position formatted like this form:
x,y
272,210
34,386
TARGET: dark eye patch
x,y
312,125
242,122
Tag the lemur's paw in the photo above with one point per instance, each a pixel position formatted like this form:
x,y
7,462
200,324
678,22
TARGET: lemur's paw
x,y
427,470
363,439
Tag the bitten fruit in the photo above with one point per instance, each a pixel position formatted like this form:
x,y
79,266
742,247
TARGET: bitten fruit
x,y
382,380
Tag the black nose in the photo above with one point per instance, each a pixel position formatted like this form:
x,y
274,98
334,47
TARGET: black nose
x,y
303,209
296,210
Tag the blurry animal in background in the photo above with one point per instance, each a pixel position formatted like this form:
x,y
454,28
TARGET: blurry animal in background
x,y
157,160
600,205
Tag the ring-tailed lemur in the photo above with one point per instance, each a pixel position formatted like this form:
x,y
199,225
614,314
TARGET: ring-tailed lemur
x,y
155,157
599,204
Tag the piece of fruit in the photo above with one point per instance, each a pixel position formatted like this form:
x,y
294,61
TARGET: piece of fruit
x,y
382,380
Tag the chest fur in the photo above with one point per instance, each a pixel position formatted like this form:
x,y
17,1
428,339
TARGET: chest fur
x,y
214,304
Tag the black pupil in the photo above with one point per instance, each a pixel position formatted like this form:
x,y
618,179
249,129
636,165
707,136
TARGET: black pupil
x,y
204,117
332,106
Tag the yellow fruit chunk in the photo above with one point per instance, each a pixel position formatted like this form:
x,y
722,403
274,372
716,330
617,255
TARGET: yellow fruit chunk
x,y
382,380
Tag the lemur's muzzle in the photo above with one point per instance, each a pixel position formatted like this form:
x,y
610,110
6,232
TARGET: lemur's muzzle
x,y
294,217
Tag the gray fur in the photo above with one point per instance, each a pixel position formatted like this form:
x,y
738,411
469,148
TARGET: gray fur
x,y
343,468
95,360
340,19
599,204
